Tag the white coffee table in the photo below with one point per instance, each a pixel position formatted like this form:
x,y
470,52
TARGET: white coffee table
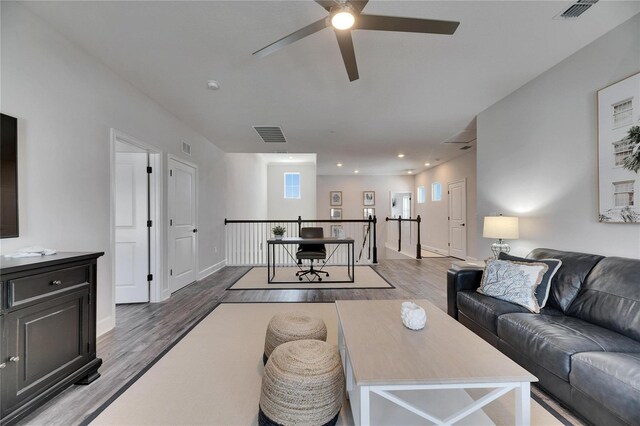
x,y
380,356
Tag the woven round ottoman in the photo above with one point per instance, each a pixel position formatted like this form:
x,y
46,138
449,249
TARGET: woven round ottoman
x,y
289,326
303,384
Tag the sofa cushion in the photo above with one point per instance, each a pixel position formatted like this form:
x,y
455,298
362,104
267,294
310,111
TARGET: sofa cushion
x,y
610,296
485,310
514,282
567,282
542,291
552,340
612,379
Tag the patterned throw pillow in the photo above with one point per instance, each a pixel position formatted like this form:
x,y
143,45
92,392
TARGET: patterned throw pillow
x,y
515,282
542,292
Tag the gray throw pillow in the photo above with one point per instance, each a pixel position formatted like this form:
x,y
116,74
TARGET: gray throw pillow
x,y
514,282
542,292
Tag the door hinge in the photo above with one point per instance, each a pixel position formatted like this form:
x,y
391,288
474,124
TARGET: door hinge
x,y
149,223
170,172
171,272
449,244
149,169
170,222
150,277
448,217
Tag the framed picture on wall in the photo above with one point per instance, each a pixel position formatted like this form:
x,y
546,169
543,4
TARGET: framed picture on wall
x,y
336,214
337,231
335,198
368,211
619,152
369,198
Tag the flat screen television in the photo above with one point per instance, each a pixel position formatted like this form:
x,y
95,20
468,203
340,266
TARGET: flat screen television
x,y
8,176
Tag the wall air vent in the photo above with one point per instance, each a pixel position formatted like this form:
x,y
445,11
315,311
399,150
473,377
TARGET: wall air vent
x,y
186,148
576,9
270,134
464,148
464,137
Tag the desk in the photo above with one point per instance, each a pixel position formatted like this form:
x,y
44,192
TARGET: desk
x,y
381,356
271,250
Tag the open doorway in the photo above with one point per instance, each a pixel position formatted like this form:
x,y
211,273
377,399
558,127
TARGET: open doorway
x,y
135,214
401,206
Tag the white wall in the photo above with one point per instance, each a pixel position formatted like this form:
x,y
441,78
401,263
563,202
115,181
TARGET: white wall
x,y
66,102
246,195
434,214
537,154
352,188
278,207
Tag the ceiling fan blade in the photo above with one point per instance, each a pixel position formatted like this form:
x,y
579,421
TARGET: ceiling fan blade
x,y
327,4
358,5
407,25
348,53
293,37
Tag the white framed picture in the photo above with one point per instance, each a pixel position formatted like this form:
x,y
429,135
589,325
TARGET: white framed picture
x,y
337,231
619,152
369,198
336,214
335,198
368,211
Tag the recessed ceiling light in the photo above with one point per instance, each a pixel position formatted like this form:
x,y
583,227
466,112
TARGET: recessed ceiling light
x,y
290,158
213,85
400,155
409,171
339,164
356,171
427,164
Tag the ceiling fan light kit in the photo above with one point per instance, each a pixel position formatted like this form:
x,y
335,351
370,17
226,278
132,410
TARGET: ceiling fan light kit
x,y
347,16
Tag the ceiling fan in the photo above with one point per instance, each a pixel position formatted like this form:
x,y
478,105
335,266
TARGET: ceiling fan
x,y
345,16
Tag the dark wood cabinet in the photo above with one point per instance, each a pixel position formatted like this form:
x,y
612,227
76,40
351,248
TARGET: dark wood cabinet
x,y
48,323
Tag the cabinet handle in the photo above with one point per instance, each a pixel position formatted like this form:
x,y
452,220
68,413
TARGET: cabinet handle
x,y
56,282
14,359
3,365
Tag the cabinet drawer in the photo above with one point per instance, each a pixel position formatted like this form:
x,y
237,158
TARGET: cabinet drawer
x,y
27,290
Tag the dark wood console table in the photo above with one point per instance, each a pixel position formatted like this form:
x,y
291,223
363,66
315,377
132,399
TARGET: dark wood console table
x,y
48,323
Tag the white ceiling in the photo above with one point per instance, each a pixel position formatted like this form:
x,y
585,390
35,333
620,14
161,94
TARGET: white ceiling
x,y
414,92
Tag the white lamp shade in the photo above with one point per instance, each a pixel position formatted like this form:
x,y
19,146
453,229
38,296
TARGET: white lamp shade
x,y
505,227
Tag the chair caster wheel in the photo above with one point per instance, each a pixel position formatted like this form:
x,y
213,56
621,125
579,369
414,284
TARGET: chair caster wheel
x,y
327,275
319,279
299,278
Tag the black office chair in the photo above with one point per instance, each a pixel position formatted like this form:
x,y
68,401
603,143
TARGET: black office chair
x,y
311,252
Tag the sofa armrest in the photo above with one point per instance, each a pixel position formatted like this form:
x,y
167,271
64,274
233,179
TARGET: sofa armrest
x,y
460,280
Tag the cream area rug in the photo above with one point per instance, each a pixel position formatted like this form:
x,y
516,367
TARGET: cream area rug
x,y
365,277
213,377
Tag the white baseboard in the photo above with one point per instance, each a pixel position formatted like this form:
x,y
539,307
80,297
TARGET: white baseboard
x,y
105,325
211,269
435,250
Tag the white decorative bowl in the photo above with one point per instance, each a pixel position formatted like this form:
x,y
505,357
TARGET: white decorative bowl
x,y
413,316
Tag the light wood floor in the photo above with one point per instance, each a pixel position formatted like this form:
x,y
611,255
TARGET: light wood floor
x,y
143,331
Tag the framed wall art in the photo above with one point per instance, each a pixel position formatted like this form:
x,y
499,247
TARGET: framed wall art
x,y
336,214
335,198
619,152
368,211
369,198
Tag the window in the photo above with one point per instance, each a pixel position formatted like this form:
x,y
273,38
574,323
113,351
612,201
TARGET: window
x,y
622,113
436,191
621,150
292,185
422,195
623,194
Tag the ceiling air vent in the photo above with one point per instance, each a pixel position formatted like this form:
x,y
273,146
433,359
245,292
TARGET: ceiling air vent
x,y
464,148
465,137
576,9
270,134
186,148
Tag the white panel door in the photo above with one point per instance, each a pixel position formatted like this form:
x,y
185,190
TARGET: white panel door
x,y
182,224
458,219
132,244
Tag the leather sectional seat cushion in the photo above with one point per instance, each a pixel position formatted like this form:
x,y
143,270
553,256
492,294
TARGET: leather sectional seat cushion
x,y
553,340
485,310
612,379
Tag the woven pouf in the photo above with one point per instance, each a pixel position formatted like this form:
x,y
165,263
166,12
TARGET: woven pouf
x,y
303,384
289,326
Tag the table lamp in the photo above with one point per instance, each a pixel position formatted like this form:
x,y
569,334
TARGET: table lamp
x,y
502,228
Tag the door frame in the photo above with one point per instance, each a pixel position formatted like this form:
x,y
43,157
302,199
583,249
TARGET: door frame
x,y
196,207
155,214
466,232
